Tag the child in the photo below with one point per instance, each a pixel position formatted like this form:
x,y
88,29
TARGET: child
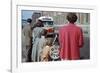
x,y
45,55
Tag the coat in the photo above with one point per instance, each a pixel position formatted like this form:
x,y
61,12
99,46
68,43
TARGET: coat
x,y
71,40
27,32
36,41
26,41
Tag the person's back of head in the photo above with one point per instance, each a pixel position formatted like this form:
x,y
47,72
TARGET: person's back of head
x,y
71,17
40,23
29,20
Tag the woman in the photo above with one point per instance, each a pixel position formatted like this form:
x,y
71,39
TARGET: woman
x,y
35,41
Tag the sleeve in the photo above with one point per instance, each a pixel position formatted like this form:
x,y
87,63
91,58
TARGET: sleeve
x,y
60,37
81,40
33,37
30,33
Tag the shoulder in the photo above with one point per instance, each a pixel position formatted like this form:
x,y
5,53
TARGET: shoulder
x,y
63,27
27,26
78,26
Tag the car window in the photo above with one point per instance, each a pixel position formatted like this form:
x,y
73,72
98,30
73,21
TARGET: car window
x,y
48,23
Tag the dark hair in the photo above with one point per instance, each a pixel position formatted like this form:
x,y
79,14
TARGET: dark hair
x,y
44,32
29,20
40,23
72,17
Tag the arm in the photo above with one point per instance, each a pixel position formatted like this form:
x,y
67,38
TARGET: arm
x,y
60,37
81,40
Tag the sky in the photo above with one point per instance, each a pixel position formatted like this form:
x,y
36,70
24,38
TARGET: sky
x,y
26,14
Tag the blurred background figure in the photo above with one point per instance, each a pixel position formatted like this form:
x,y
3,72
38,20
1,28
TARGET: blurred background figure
x,y
26,41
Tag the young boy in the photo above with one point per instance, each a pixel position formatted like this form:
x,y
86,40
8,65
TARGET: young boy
x,y
71,39
45,55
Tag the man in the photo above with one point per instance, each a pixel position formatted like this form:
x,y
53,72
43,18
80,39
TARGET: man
x,y
71,39
27,34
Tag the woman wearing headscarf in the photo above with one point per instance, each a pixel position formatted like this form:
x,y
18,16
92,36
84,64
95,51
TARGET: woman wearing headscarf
x,y
36,34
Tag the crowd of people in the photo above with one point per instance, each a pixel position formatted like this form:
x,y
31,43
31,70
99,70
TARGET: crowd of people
x,y
36,45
